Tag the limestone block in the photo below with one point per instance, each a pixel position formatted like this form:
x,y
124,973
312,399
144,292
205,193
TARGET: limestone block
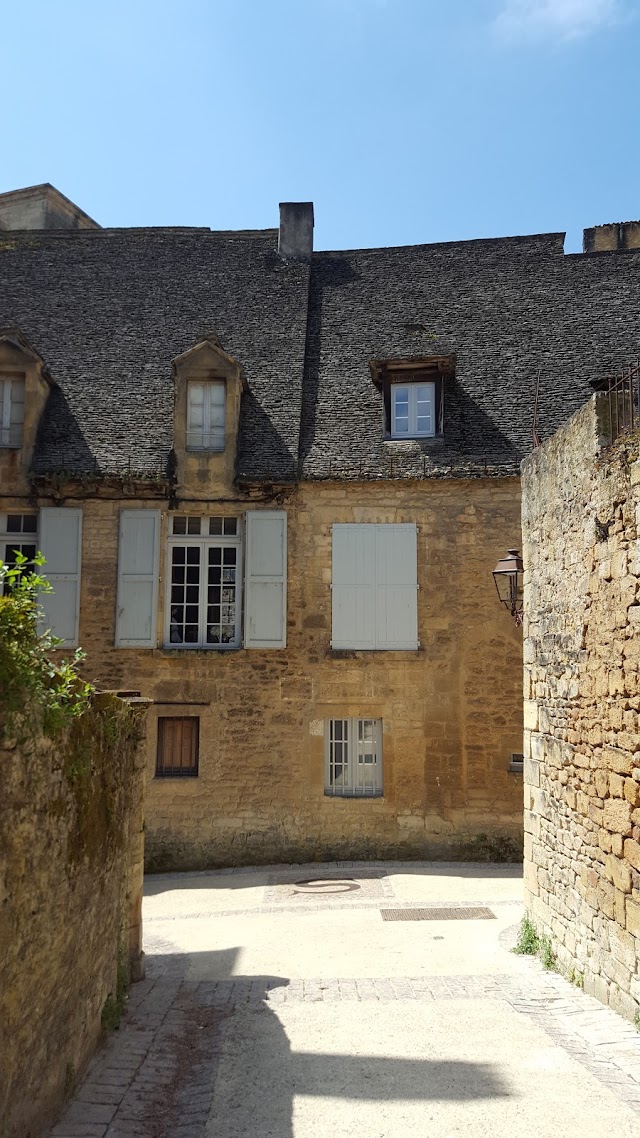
x,y
616,785
620,911
632,853
617,816
633,918
530,715
623,948
631,791
619,873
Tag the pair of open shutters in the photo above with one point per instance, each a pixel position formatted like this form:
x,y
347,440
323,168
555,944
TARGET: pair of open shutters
x,y
60,539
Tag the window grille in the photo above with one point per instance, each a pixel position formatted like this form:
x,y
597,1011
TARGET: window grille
x,y
11,411
204,583
206,415
353,758
178,747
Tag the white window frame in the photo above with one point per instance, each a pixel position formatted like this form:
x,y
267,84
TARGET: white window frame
x,y
204,542
10,436
412,432
207,437
363,777
12,541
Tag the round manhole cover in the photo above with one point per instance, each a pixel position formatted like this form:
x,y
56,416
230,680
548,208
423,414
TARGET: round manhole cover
x,y
323,885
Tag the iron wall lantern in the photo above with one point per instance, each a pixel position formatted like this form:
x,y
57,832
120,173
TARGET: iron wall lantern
x,y
508,576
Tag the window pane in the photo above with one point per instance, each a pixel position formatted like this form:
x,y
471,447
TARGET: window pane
x,y
193,525
215,525
231,526
179,525
184,614
217,393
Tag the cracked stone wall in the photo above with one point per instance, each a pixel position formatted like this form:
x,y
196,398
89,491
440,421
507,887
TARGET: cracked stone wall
x,y
71,870
581,515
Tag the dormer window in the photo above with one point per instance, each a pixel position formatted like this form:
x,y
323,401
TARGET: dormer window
x,y
413,410
413,395
206,415
11,410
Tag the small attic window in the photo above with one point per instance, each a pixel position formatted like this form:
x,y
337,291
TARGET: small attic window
x,y
413,395
206,403
11,410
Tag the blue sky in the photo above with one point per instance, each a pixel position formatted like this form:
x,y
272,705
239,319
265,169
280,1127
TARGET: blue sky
x,y
404,121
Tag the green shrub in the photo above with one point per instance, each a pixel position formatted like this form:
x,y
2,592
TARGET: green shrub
x,y
37,693
528,942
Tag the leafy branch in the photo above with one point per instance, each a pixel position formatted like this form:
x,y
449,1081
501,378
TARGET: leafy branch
x,y
30,681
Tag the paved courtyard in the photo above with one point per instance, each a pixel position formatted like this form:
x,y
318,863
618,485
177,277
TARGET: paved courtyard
x,y
278,1003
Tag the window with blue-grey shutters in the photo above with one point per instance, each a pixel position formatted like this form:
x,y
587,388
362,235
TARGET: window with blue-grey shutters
x,y
374,587
60,542
138,573
265,619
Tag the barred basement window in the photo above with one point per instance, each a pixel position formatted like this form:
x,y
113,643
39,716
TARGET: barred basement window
x,y
178,747
353,758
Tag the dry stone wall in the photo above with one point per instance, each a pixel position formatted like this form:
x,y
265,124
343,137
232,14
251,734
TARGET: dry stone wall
x,y
581,514
71,865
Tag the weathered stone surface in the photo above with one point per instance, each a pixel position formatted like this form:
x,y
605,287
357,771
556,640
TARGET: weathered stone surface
x,y
259,794
617,816
71,832
580,513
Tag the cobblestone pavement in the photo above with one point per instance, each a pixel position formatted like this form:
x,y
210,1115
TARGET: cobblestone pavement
x,y
157,1075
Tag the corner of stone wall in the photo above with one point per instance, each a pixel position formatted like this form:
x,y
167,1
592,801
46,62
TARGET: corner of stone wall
x,y
581,518
71,830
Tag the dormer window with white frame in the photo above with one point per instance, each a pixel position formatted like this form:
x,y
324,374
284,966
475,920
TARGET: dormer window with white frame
x,y
413,410
11,410
413,395
206,414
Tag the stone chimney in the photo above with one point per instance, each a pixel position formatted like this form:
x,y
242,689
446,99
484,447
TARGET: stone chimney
x,y
42,207
617,236
295,237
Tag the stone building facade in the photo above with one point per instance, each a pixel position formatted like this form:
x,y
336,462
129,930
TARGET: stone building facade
x,y
581,513
271,485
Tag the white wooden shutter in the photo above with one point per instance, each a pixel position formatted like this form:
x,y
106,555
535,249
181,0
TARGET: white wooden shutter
x,y
353,622
60,541
396,605
138,571
265,616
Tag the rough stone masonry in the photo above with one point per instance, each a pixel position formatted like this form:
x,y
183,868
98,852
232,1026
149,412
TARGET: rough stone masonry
x,y
581,515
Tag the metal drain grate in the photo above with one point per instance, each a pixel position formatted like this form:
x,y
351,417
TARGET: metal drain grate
x,y
440,913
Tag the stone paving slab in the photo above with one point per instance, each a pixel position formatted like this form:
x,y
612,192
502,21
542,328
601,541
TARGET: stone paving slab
x,y
157,1075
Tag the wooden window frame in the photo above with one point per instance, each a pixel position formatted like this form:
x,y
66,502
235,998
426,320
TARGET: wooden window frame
x,y
163,770
412,409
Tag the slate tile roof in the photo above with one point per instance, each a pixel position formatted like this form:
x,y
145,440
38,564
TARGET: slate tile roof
x,y
506,308
108,310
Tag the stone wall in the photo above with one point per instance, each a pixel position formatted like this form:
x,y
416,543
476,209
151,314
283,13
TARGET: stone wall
x,y
70,901
580,510
451,712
